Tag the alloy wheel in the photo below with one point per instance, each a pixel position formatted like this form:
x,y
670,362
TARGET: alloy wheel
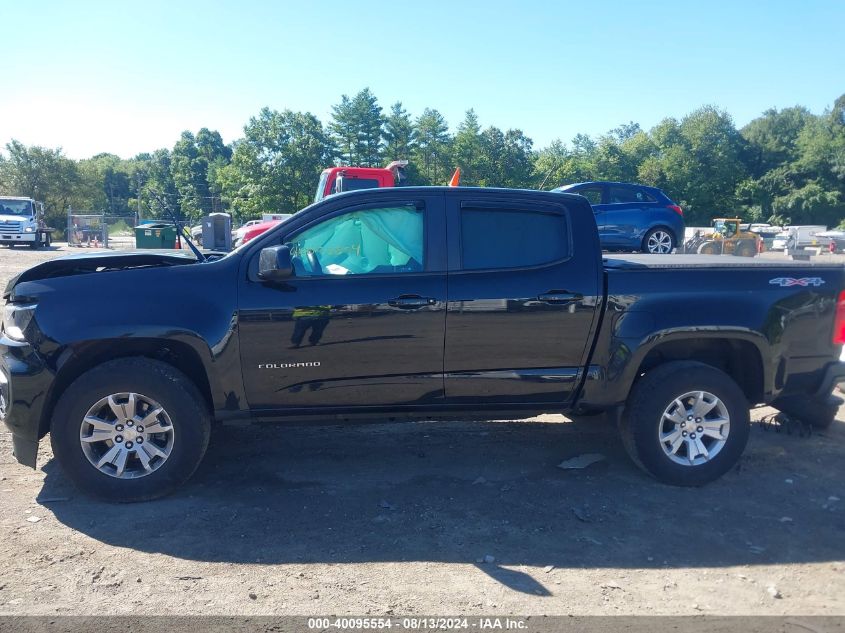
x,y
127,435
694,428
659,243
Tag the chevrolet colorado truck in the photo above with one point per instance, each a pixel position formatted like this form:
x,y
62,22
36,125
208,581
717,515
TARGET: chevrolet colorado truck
x,y
417,303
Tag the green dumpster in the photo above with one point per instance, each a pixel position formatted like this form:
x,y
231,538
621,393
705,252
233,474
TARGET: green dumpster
x,y
155,236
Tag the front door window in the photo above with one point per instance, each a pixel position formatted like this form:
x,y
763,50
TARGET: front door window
x,y
371,241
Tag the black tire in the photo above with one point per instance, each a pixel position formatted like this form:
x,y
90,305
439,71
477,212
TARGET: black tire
x,y
168,386
746,249
653,232
819,414
35,244
711,247
643,416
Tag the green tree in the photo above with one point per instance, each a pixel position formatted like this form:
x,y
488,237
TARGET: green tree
x,y
160,188
772,139
275,167
105,185
698,162
517,160
193,162
400,142
492,157
467,150
432,155
40,173
550,165
356,129
398,134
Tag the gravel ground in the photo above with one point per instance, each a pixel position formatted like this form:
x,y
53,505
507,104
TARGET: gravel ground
x,y
432,518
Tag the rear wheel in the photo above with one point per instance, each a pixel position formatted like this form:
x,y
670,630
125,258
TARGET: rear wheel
x,y
129,430
686,423
658,241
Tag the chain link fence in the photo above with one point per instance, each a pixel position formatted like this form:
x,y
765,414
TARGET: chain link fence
x,y
98,230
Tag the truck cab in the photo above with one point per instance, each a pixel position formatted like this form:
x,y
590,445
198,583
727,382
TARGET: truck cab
x,y
339,179
22,222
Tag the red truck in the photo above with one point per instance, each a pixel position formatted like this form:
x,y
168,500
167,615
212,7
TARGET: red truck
x,y
338,179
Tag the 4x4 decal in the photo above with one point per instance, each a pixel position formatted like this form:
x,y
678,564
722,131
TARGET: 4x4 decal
x,y
788,282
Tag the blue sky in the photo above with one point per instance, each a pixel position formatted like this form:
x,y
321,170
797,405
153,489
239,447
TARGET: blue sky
x,y
122,77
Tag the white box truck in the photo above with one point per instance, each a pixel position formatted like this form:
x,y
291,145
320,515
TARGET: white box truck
x,y
22,222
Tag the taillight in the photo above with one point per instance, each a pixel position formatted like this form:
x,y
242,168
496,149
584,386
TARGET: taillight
x,y
676,209
839,321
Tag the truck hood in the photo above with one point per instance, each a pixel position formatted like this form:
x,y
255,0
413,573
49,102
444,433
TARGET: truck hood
x,y
6,217
85,263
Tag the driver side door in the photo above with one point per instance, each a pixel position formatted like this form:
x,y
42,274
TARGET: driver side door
x,y
362,320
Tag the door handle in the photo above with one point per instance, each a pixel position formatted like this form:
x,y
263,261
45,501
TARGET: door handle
x,y
411,302
560,296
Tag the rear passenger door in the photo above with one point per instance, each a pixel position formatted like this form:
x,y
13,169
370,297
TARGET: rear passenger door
x,y
523,286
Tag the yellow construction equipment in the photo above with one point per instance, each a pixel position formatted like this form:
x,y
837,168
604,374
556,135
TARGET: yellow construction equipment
x,y
728,239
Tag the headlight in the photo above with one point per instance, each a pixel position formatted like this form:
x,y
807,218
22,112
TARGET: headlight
x,y
16,318
28,229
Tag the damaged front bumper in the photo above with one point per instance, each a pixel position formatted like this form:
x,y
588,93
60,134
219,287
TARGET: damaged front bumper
x,y
24,385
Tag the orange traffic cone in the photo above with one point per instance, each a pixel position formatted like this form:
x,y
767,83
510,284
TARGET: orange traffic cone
x,y
456,178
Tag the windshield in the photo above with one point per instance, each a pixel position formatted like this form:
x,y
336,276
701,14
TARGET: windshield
x,y
724,228
321,187
16,207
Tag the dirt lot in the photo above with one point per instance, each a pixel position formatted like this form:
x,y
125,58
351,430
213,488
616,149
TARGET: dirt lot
x,y
398,519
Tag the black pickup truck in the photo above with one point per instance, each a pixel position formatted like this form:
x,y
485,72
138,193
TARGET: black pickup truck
x,y
415,303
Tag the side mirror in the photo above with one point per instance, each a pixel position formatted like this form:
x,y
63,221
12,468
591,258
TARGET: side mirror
x,y
274,263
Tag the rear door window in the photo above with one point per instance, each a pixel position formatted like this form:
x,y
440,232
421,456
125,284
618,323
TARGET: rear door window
x,y
510,238
628,195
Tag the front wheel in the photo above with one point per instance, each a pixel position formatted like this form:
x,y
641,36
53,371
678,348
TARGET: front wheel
x,y
685,423
658,241
129,430
746,249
